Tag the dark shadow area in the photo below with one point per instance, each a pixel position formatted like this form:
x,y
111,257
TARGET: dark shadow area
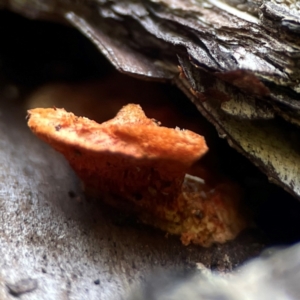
x,y
36,52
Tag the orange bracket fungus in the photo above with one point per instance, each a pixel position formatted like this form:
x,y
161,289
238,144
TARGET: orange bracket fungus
x,y
143,166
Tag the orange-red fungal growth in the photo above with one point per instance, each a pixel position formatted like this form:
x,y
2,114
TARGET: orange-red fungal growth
x,y
144,166
127,154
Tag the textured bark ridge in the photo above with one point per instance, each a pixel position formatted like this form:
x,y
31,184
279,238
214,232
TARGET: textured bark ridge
x,y
239,63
